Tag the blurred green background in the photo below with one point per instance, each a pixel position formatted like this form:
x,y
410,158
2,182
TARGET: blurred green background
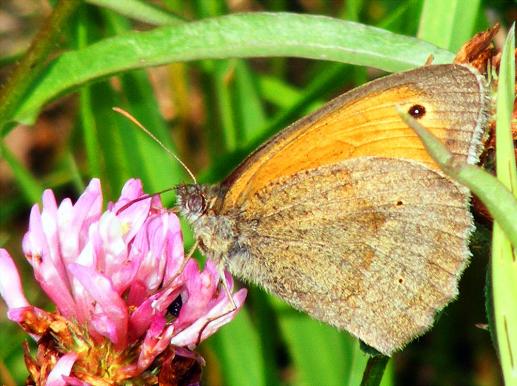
x,y
213,113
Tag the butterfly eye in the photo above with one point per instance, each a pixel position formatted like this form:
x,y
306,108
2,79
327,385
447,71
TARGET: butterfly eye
x,y
196,203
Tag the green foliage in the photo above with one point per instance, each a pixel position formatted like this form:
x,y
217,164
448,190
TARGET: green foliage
x,y
224,106
504,240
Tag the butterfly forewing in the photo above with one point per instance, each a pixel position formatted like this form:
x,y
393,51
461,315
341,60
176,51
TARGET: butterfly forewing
x,y
365,122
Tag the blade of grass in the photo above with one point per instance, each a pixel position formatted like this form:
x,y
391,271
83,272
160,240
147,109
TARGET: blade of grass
x,y
281,94
86,114
89,130
222,78
11,353
141,152
239,352
388,377
139,10
8,211
213,140
241,35
110,131
266,326
358,360
499,201
352,10
396,16
505,159
27,70
212,8
30,188
13,58
320,353
504,257
448,23
73,170
248,103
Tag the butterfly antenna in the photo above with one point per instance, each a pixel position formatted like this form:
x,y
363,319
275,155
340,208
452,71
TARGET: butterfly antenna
x,y
153,137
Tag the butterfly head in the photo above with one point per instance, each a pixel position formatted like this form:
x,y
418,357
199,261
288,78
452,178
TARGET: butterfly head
x,y
200,205
192,201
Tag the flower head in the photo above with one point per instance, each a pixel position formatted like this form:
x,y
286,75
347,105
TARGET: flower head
x,y
130,306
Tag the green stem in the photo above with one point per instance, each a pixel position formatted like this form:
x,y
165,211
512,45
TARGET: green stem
x,y
27,69
374,370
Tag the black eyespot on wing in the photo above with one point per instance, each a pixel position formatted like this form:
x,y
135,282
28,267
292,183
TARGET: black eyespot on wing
x,y
417,111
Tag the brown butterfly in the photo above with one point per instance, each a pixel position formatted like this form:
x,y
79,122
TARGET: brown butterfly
x,y
345,216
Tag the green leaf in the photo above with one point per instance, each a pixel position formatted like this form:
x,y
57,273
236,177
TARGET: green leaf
x,y
248,103
27,70
29,186
499,201
504,257
240,35
223,93
448,23
239,351
321,354
139,10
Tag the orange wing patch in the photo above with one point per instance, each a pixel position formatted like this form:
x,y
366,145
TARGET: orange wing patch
x,y
365,122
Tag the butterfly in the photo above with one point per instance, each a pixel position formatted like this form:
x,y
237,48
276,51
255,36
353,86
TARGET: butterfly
x,y
345,216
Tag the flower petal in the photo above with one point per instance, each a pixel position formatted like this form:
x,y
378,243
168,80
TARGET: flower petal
x,y
174,252
51,276
73,381
111,313
143,316
10,284
201,288
131,213
62,368
35,242
50,229
209,323
112,251
156,340
74,221
120,276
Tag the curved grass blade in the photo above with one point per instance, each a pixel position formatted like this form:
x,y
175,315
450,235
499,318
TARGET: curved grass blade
x,y
239,35
499,201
